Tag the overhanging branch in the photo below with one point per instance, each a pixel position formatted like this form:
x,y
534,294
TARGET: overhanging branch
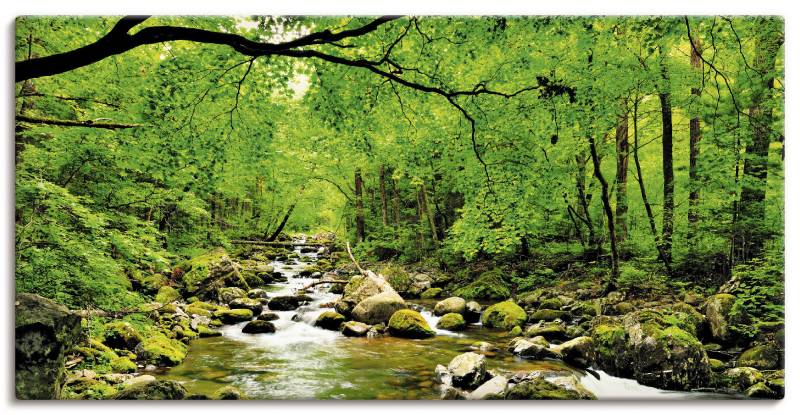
x,y
74,123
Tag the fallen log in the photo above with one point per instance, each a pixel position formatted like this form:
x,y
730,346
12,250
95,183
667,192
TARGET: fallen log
x,y
277,243
315,283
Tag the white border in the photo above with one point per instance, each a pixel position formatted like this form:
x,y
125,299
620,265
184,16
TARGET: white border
x,y
12,8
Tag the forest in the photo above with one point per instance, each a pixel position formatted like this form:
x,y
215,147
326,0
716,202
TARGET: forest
x,y
598,198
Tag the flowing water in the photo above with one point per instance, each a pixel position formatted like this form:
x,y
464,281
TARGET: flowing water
x,y
300,361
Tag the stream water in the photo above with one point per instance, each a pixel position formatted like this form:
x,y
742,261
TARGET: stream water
x,y
301,361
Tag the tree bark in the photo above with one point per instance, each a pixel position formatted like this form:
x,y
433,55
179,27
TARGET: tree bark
x,y
694,150
751,229
395,203
622,176
428,210
384,207
360,227
580,184
611,283
666,162
281,225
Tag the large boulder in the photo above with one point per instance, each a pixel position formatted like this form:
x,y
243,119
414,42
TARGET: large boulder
x,y
472,312
378,308
247,303
355,329
258,327
655,347
764,357
358,289
409,324
160,350
467,370
44,332
211,270
121,335
167,294
450,305
452,322
577,351
493,388
718,314
536,348
153,390
234,316
488,286
504,315
284,303
540,385
228,294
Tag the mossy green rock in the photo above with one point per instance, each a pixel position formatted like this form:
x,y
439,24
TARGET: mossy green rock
x,y
121,335
516,331
452,322
409,324
431,293
234,316
551,303
204,331
192,310
763,357
160,350
450,305
44,332
123,365
540,389
330,320
88,389
504,315
547,315
214,265
488,286
167,294
227,393
154,390
718,312
761,391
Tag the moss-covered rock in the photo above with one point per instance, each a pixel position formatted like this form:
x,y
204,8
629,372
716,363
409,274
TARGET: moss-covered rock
x,y
577,351
243,302
121,335
358,289
516,331
409,324
88,389
355,329
154,390
763,357
167,294
204,331
258,327
228,393
541,389
488,286
160,350
213,267
504,315
228,294
545,314
192,310
718,314
551,304
716,365
452,322
330,320
396,276
378,308
431,293
123,365
761,391
152,283
234,316
553,330
44,332
740,378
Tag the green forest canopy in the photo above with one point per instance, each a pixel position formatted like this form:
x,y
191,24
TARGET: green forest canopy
x,y
143,140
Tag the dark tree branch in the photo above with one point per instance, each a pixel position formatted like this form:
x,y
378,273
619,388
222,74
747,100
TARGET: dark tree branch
x,y
74,123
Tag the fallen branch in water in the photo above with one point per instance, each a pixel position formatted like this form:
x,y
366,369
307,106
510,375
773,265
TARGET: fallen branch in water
x,y
361,270
315,283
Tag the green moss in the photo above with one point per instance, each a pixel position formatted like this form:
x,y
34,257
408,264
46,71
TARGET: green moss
x,y
544,390
488,286
547,315
204,331
516,331
605,338
88,389
123,365
167,294
121,335
205,306
552,304
676,334
158,349
234,315
197,269
504,315
197,310
431,293
330,320
764,356
397,277
452,321
227,393
409,323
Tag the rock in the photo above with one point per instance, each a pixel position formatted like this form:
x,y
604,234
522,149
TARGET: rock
x,y
409,324
614,297
257,293
741,378
213,268
358,289
228,294
258,327
565,387
85,388
199,321
204,331
467,370
482,346
762,357
234,316
431,293
588,308
330,320
492,388
284,303
121,335
44,332
716,365
649,346
504,315
717,311
154,390
116,378
160,350
419,284
489,286
443,376
378,308
551,304
577,351
516,331
523,347
472,312
547,315
450,305
123,365
550,330
227,393
247,303
761,391
167,294
141,379
450,393
452,322
268,317
621,308
355,329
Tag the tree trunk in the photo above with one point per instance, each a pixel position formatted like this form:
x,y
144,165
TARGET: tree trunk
x,y
384,207
395,204
428,210
360,228
580,184
280,227
622,176
694,150
751,227
666,163
611,283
